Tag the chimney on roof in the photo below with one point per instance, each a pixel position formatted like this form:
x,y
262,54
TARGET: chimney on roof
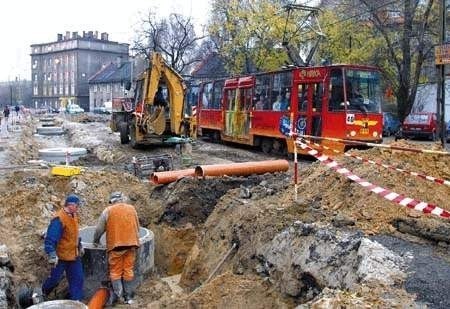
x,y
90,34
59,37
96,34
104,36
75,35
84,34
67,37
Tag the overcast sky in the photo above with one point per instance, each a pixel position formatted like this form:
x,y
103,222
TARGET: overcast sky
x,y
23,23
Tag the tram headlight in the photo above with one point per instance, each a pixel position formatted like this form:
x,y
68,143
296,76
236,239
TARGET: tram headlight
x,y
375,133
352,133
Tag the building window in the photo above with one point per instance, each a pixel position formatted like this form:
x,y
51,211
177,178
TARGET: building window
x,y
35,90
35,64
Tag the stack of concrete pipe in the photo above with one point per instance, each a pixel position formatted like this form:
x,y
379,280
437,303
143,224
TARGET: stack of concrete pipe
x,y
48,127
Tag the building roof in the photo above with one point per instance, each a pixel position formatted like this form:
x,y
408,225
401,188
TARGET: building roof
x,y
112,73
212,66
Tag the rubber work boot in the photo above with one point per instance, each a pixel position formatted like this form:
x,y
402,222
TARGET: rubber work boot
x,y
117,291
128,292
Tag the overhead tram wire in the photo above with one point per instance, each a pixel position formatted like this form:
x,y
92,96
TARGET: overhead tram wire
x,y
358,15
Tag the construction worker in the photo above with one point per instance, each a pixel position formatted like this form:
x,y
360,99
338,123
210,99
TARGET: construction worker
x,y
63,247
121,224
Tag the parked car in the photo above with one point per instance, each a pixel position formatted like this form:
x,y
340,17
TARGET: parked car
x,y
391,124
74,109
420,125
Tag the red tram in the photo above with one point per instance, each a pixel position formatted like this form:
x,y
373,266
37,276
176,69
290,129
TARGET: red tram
x,y
339,101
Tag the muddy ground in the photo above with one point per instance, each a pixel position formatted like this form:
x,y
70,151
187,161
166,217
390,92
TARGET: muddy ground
x,y
197,221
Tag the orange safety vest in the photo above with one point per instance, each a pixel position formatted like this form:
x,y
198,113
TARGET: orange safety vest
x,y
67,248
122,226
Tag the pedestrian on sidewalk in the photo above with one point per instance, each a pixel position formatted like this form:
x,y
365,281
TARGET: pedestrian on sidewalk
x,y
6,112
64,250
121,224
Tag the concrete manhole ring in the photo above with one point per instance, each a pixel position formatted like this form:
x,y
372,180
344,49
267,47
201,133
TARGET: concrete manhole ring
x,y
62,151
59,304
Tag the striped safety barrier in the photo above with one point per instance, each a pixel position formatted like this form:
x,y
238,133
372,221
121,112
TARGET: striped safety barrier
x,y
387,194
387,166
352,142
194,111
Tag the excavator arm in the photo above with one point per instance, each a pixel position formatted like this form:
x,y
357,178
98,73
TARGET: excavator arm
x,y
159,70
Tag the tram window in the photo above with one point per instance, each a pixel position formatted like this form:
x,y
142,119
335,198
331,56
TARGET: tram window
x,y
231,99
336,98
317,97
207,96
302,97
217,95
262,88
280,96
247,102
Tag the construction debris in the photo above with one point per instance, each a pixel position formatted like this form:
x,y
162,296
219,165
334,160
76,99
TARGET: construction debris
x,y
239,241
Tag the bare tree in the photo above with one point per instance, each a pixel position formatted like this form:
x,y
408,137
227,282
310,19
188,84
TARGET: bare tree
x,y
405,28
174,37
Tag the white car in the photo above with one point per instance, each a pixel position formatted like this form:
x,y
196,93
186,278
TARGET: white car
x,y
74,109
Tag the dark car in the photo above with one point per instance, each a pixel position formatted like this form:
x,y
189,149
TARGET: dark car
x,y
420,125
391,124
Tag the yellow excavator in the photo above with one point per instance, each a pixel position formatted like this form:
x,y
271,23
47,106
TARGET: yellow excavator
x,y
150,122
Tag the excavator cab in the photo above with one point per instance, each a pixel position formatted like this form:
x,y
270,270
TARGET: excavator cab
x,y
152,121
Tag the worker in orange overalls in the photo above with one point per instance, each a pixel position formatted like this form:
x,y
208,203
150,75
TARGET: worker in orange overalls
x,y
121,224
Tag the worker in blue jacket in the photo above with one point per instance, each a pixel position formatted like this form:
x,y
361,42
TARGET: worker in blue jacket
x,y
63,247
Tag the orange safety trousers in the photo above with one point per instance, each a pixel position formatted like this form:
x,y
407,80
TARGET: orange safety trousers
x,y
121,264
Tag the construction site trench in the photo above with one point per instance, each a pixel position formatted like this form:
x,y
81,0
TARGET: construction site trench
x,y
234,242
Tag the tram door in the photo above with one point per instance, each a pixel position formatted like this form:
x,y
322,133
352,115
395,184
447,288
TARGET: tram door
x,y
310,102
238,104
230,112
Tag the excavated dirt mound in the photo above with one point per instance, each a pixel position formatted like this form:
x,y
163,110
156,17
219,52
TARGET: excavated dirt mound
x,y
30,198
325,197
180,209
230,291
192,201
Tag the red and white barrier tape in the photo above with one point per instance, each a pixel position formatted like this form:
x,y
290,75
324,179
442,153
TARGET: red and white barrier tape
x,y
387,194
352,142
387,166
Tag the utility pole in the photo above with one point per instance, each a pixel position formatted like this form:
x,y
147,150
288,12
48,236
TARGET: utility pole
x,y
10,94
441,60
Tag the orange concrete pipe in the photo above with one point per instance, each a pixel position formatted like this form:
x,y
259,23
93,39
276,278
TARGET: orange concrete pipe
x,y
99,299
170,176
242,169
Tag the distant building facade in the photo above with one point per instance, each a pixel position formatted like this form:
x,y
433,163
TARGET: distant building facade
x,y
110,82
60,70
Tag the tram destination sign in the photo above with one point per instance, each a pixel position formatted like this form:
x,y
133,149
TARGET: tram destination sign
x,y
442,54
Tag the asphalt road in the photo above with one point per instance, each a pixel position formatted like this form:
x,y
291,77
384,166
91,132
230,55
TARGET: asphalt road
x,y
428,273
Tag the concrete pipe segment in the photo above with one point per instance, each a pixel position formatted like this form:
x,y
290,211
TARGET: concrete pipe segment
x,y
95,262
60,304
50,130
59,154
45,119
